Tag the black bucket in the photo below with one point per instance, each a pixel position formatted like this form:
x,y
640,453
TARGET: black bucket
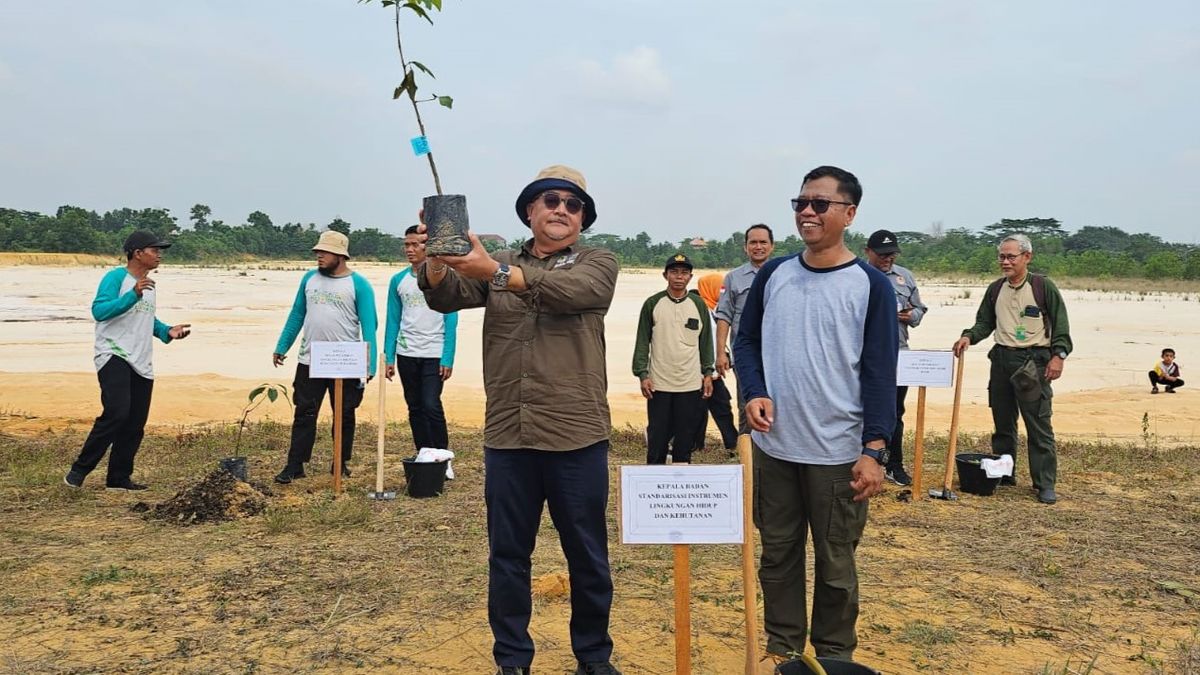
x,y
971,476
445,218
425,479
235,466
831,666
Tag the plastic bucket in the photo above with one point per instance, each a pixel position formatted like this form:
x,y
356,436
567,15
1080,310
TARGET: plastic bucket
x,y
425,479
831,666
971,476
235,466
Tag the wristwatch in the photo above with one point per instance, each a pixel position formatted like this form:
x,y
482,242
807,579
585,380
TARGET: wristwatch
x,y
1062,354
880,456
500,277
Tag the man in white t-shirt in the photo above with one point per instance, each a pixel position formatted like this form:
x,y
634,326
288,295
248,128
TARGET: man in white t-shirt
x,y
125,328
419,345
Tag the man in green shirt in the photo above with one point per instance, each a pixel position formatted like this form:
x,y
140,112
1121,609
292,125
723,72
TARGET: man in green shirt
x,y
1027,314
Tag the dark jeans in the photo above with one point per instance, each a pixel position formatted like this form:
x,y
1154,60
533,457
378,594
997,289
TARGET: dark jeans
x,y
422,381
125,397
307,394
743,421
718,407
1036,414
672,423
790,500
896,444
1156,380
574,484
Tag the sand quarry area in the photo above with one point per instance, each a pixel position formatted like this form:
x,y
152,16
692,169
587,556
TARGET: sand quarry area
x,y
237,313
285,579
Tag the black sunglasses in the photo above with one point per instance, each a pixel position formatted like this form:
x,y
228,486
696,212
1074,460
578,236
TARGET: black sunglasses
x,y
818,205
552,200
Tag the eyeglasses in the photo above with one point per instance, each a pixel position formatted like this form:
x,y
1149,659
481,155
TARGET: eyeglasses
x,y
1008,257
552,200
893,254
818,205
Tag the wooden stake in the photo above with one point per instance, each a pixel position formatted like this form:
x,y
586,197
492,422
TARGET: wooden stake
x,y
919,445
337,436
382,429
952,449
683,615
749,583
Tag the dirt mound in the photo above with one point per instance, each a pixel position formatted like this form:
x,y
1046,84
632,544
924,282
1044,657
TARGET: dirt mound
x,y
216,498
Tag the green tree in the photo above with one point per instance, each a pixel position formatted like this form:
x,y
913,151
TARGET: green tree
x,y
199,217
1164,265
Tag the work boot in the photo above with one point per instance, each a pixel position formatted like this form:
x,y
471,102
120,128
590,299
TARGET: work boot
x,y
289,474
597,668
1047,496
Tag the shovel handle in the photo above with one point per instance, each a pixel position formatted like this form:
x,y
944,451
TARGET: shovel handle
x,y
952,448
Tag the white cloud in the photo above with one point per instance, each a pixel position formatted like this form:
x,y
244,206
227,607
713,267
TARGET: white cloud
x,y
635,79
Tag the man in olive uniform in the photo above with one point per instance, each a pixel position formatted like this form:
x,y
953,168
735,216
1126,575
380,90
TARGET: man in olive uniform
x,y
1027,314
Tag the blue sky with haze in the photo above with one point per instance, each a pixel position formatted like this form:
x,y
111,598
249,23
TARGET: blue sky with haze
x,y
688,118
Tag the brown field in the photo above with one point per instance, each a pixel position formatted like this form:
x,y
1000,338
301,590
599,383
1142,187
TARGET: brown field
x,y
1106,581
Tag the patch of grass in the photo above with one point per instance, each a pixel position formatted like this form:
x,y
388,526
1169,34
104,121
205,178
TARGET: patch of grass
x,y
924,634
1067,669
281,519
347,511
106,575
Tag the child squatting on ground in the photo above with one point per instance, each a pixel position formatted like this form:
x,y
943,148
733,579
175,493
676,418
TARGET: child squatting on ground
x,y
1166,372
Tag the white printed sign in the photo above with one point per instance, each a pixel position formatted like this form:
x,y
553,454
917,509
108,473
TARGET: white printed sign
x,y
681,504
338,359
916,368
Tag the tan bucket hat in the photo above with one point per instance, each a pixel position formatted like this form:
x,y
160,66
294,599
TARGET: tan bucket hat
x,y
560,177
335,242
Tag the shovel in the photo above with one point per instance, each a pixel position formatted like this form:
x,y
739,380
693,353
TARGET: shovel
x,y
378,493
945,492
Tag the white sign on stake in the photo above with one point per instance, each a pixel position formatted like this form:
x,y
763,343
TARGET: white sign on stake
x,y
916,368
681,504
337,360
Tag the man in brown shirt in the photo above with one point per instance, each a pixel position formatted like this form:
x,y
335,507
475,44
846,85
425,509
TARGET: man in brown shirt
x,y
547,422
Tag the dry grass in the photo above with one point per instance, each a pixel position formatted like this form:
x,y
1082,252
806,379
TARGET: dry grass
x,y
1099,583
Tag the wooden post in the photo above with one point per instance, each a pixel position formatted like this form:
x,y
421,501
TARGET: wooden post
x,y
749,583
919,445
952,448
337,436
683,618
382,429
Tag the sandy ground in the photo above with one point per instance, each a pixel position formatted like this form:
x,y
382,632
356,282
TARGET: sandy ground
x,y
47,378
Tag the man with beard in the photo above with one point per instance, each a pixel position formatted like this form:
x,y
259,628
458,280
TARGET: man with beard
x,y
125,328
816,352
547,423
760,242
332,305
419,345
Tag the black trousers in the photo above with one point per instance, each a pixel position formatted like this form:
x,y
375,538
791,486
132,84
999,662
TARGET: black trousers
x,y
718,407
574,484
672,423
896,444
1156,380
307,394
422,381
125,397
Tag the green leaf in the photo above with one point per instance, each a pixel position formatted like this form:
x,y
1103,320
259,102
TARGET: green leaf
x,y
418,64
256,392
408,86
420,11
446,101
272,394
436,4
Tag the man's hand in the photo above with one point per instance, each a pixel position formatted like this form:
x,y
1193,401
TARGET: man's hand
x,y
961,346
1054,368
867,478
722,363
707,389
389,371
477,264
179,331
648,388
143,284
277,359
760,413
445,372
904,316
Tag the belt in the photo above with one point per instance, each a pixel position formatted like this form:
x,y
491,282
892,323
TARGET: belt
x,y
1021,349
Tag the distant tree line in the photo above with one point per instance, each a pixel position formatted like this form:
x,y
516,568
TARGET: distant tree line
x,y
1091,251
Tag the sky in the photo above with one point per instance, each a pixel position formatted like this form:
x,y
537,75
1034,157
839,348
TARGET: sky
x,y
688,118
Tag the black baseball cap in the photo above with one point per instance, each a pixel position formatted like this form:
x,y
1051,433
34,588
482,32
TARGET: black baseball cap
x,y
678,260
883,241
144,239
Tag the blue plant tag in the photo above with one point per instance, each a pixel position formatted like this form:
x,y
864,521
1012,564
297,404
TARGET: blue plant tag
x,y
420,146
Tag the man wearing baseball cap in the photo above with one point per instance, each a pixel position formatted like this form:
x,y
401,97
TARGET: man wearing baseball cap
x,y
125,327
882,249
673,360
547,425
333,304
